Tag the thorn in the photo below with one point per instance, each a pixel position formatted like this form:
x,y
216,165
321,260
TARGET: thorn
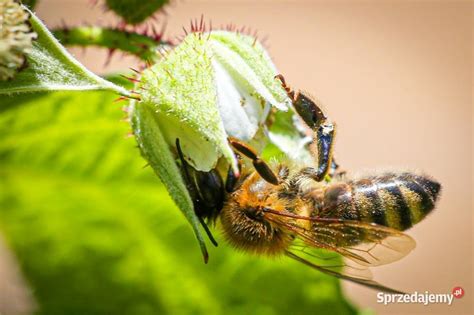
x,y
134,70
254,42
201,24
146,30
134,96
169,73
63,24
122,25
119,99
162,53
158,35
130,79
109,56
154,17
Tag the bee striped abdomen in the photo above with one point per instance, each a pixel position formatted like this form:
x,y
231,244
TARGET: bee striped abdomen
x,y
395,200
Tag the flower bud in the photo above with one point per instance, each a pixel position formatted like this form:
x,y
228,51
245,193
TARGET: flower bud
x,y
211,86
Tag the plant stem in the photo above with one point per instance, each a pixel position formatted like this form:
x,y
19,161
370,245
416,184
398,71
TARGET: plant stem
x,y
143,46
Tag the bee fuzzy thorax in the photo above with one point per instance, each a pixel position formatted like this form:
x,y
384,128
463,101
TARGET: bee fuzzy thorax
x,y
246,227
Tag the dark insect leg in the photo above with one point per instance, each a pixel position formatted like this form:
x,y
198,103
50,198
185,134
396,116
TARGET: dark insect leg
x,y
208,232
365,282
324,145
232,181
260,165
196,193
183,162
323,131
335,171
289,91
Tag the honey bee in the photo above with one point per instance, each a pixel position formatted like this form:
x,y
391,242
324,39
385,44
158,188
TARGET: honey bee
x,y
280,209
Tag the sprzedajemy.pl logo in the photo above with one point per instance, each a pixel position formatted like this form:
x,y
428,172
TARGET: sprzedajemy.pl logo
x,y
421,298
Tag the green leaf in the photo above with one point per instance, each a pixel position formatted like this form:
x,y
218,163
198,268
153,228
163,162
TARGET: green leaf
x,y
29,3
96,233
135,11
52,68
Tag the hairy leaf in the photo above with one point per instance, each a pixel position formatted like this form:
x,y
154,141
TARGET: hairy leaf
x,y
51,68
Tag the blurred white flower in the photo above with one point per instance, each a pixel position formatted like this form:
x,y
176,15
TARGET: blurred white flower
x,y
15,38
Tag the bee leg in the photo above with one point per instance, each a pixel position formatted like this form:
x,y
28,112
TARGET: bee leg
x,y
335,172
233,181
289,91
204,201
322,147
208,232
262,168
323,131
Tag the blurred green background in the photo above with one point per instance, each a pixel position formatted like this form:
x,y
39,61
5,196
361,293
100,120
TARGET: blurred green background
x,y
95,232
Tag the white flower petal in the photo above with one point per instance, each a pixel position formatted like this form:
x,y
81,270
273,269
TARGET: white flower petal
x,y
241,71
235,118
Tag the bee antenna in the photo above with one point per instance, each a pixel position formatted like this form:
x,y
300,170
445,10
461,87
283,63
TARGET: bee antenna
x,y
183,161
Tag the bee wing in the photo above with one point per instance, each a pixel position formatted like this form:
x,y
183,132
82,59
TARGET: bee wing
x,y
367,244
360,279
331,261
